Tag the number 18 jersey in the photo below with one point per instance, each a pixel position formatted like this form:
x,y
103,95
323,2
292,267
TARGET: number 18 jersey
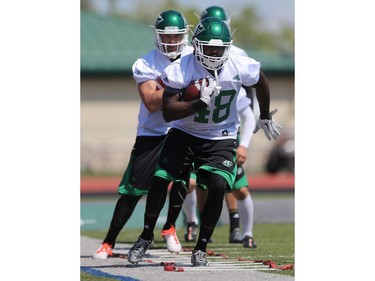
x,y
220,119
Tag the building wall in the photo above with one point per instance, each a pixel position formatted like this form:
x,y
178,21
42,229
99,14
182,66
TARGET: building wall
x,y
109,116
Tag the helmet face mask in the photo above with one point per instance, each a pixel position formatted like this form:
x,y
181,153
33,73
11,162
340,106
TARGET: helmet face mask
x,y
212,41
171,33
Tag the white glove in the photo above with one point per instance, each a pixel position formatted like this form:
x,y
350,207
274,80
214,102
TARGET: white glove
x,y
207,91
268,126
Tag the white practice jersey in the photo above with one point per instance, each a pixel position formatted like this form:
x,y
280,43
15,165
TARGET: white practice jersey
x,y
237,51
243,101
220,119
243,104
255,104
150,67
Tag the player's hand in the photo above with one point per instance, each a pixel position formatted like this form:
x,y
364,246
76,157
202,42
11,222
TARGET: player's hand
x,y
269,126
241,153
207,90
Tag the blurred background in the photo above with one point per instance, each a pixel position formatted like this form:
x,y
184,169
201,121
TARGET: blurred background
x,y
114,33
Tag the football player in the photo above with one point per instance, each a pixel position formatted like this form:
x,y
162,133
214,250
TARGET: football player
x,y
171,38
204,131
239,201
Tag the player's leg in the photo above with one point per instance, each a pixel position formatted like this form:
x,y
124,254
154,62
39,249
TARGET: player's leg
x,y
154,204
134,184
245,208
246,211
173,151
210,215
201,199
190,204
190,210
177,195
235,235
124,208
216,173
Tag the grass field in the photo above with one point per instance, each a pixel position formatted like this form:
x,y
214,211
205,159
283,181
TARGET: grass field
x,y
275,242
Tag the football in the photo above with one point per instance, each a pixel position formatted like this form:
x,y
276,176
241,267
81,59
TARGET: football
x,y
192,91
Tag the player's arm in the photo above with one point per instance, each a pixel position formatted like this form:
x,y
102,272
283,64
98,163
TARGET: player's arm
x,y
263,95
249,93
151,95
265,121
174,108
248,124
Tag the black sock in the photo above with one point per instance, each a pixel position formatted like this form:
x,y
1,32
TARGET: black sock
x,y
234,219
176,199
212,210
204,236
155,202
124,208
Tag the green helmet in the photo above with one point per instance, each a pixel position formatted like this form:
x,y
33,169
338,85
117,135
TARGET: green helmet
x,y
171,22
211,32
216,12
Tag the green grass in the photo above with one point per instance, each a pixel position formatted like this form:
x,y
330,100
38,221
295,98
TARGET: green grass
x,y
275,242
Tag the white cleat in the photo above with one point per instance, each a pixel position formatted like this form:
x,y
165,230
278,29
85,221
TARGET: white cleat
x,y
103,252
170,237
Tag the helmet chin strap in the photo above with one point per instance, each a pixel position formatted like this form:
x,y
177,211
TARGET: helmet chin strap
x,y
216,77
217,86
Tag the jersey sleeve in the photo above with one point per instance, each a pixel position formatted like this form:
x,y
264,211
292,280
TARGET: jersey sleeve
x,y
237,51
142,72
249,69
181,72
172,76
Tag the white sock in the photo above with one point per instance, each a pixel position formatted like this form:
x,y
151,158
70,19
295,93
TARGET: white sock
x,y
246,212
190,207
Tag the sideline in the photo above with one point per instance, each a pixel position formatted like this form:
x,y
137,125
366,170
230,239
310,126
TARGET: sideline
x,y
261,182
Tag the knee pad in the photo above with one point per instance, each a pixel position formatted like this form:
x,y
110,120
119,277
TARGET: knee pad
x,y
216,183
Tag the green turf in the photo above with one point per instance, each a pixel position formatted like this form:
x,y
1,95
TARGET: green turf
x,y
275,242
